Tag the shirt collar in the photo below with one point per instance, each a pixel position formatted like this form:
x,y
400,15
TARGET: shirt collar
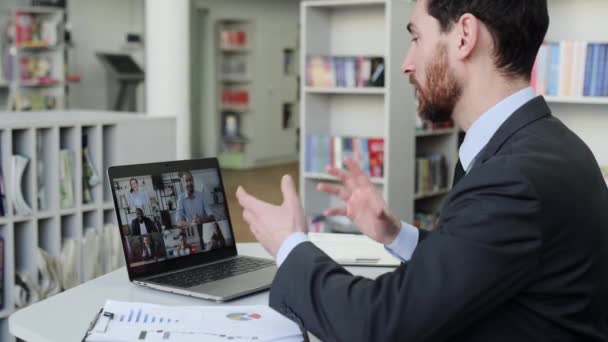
x,y
482,130
191,196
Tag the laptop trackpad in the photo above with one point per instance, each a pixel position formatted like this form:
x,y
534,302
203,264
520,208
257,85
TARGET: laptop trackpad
x,y
242,284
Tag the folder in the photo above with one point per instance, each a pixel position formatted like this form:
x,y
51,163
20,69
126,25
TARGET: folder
x,y
353,250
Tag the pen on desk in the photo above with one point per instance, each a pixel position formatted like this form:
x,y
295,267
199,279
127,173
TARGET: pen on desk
x,y
359,261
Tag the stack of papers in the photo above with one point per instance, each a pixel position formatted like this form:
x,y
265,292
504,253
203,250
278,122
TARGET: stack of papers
x,y
121,321
353,250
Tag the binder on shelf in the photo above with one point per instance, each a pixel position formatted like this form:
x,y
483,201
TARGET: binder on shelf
x,y
66,179
19,165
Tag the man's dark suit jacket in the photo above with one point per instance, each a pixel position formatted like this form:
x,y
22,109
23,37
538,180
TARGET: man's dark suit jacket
x,y
136,229
520,254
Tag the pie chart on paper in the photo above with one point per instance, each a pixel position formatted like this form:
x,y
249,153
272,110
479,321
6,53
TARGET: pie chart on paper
x,y
241,316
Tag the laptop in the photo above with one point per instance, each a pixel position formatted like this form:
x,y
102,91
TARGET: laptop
x,y
176,232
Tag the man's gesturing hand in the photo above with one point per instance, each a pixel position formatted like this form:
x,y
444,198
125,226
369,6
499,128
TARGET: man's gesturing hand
x,y
364,205
272,224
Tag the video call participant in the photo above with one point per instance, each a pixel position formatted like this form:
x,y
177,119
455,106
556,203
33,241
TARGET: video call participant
x,y
126,242
149,249
137,198
183,248
192,210
217,239
142,225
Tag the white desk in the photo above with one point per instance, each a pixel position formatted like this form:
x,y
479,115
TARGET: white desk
x,y
66,316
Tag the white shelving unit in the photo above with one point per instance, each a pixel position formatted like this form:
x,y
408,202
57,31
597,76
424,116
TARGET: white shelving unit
x,y
596,100
110,140
367,28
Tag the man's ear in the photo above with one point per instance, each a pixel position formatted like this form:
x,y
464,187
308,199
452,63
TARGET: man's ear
x,y
467,35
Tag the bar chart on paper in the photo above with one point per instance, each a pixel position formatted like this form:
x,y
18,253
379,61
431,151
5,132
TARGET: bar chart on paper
x,y
140,316
122,321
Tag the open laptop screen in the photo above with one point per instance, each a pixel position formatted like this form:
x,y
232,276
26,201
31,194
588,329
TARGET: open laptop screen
x,y
171,215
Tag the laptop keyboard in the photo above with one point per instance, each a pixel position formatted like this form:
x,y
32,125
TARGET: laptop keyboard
x,y
207,274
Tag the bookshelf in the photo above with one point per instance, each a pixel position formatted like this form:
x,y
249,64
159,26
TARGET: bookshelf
x,y
235,84
38,63
363,29
40,136
584,115
256,99
352,91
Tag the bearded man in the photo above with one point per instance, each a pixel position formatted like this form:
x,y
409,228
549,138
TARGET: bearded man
x,y
520,252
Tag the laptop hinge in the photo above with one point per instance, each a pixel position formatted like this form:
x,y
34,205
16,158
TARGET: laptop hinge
x,y
185,269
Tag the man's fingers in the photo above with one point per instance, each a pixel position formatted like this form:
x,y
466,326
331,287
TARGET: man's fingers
x,y
335,190
249,217
338,173
290,196
335,212
353,167
247,201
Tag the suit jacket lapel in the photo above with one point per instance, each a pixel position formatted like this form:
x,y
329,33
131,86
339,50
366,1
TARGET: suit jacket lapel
x,y
532,111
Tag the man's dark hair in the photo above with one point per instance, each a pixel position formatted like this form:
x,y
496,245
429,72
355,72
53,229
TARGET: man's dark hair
x,y
517,26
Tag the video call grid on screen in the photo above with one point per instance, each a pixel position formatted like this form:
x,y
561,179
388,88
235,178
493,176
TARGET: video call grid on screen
x,y
171,215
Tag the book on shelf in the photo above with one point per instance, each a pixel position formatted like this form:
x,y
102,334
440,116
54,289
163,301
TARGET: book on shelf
x,y
37,69
425,125
344,72
331,224
571,69
41,194
235,100
3,208
322,151
233,39
431,174
19,167
90,176
35,101
66,179
33,31
234,66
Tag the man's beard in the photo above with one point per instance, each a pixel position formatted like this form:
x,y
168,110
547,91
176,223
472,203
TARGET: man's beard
x,y
436,103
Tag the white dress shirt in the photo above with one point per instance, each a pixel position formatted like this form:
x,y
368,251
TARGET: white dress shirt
x,y
143,229
477,137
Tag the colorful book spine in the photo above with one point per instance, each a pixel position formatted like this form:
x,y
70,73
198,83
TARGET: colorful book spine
x,y
554,70
376,157
346,72
588,69
601,74
604,91
595,69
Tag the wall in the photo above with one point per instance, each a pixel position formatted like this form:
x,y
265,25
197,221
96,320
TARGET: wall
x,y
275,27
101,26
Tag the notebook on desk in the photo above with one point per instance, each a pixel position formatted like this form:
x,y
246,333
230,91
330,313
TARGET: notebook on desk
x,y
353,250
